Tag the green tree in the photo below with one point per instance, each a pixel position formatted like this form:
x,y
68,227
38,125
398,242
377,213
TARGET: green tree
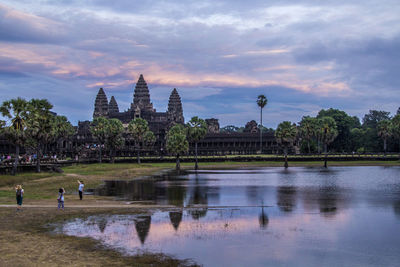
x,y
344,124
229,129
138,129
308,129
39,131
17,111
385,132
99,130
285,134
261,102
114,139
197,130
177,143
396,128
370,125
328,132
62,129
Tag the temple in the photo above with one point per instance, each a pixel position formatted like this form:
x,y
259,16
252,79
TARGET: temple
x,y
141,107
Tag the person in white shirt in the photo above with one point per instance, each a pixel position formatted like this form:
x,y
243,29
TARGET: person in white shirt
x,y
80,189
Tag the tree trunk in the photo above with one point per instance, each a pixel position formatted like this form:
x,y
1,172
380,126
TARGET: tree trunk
x,y
326,155
100,156
196,165
14,170
309,149
178,164
261,131
38,158
319,146
112,158
384,146
286,161
138,156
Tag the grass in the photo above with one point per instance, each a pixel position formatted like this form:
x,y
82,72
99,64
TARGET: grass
x,y
26,241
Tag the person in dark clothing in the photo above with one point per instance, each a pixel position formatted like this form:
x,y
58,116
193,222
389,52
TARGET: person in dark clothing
x,y
19,192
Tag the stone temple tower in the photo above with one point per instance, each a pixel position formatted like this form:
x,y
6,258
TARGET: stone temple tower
x,y
175,111
141,96
113,106
100,105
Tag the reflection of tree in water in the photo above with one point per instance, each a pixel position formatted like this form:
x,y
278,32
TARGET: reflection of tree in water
x,y
327,201
176,195
286,196
102,223
142,225
198,197
175,218
263,219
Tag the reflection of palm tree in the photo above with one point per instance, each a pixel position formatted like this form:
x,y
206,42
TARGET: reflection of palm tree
x,y
142,225
199,196
263,219
286,198
175,218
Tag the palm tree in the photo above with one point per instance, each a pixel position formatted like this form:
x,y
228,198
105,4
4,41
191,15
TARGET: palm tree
x,y
286,134
328,132
114,137
99,130
261,102
197,129
17,111
139,129
40,121
385,132
308,126
177,143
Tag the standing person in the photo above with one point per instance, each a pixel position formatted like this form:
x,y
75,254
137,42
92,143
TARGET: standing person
x,y
80,189
19,192
60,198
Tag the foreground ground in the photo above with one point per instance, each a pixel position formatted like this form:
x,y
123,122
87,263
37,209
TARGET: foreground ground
x,y
25,240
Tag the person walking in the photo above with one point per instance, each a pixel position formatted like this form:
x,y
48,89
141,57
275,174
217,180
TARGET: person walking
x,y
19,192
80,189
60,198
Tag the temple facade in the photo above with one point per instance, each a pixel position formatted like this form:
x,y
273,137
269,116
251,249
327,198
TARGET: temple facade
x,y
142,107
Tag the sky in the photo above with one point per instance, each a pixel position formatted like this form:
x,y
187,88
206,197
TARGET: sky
x,y
304,56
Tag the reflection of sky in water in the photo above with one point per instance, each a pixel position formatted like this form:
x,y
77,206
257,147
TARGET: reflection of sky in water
x,y
342,217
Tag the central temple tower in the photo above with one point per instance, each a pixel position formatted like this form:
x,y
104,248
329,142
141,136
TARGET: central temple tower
x,y
141,96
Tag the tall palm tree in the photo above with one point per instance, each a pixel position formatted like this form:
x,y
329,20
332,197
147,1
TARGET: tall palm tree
x,y
197,129
285,135
328,132
139,129
261,102
308,127
99,129
385,132
17,111
177,143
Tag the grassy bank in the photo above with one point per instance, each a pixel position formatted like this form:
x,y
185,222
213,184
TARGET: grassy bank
x,y
25,241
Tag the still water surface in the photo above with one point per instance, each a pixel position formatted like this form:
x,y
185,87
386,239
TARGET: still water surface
x,y
343,216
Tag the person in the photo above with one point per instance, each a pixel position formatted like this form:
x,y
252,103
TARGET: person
x,y
80,189
60,198
19,195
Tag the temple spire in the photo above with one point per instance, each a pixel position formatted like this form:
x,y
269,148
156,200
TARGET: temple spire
x,y
113,106
100,105
175,111
141,96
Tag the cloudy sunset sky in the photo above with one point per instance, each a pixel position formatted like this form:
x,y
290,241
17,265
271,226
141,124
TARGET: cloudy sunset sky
x,y
220,55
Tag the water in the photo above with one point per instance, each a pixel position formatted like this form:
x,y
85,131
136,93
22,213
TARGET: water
x,y
343,216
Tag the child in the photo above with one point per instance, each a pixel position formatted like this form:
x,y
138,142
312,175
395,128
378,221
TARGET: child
x,y
80,189
19,192
60,198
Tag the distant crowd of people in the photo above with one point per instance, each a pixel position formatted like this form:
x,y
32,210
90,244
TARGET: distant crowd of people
x,y
26,158
19,194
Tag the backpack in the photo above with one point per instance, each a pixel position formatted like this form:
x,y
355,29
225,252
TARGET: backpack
x,y
19,192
